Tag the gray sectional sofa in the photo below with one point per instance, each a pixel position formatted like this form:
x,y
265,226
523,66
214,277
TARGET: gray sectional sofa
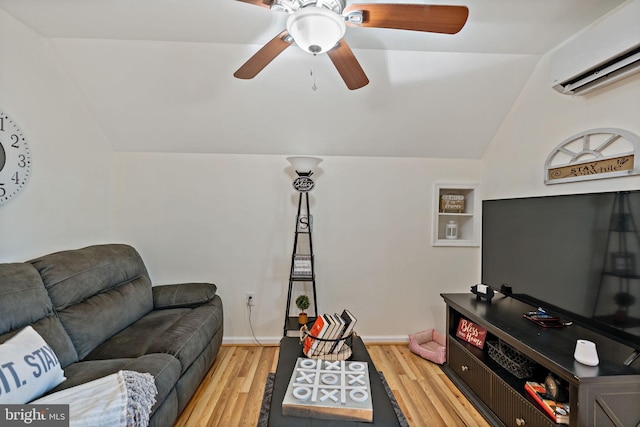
x,y
97,309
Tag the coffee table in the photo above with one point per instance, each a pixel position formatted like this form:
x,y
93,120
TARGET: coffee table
x,y
290,350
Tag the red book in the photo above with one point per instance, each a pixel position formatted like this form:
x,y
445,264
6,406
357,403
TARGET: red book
x,y
317,330
558,411
471,333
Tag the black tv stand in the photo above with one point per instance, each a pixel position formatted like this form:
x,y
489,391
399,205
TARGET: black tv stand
x,y
604,395
632,358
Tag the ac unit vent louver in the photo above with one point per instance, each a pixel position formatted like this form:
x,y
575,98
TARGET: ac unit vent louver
x,y
605,74
604,53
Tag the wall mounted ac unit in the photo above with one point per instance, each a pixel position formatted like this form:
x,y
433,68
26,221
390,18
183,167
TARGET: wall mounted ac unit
x,y
602,54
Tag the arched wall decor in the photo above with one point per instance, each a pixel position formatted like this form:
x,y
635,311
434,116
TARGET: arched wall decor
x,y
593,154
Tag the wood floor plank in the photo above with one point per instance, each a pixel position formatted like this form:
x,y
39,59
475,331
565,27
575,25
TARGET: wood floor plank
x,y
195,415
420,404
251,410
231,392
404,362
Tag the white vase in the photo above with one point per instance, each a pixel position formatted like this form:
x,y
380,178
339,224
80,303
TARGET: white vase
x,y
586,353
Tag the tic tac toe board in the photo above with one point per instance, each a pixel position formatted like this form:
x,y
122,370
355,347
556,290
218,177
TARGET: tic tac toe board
x,y
337,390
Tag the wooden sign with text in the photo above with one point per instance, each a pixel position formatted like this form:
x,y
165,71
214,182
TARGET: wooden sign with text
x,y
592,168
452,203
471,333
593,154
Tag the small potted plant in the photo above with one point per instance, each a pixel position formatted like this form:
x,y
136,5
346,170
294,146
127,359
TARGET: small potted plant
x,y
623,300
302,302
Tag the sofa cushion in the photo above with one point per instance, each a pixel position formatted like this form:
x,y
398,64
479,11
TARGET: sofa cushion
x,y
97,291
30,368
54,334
187,338
73,276
190,379
166,413
24,301
164,368
181,332
95,320
137,338
23,297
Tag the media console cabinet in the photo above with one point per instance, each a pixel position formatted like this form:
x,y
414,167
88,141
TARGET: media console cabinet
x,y
600,396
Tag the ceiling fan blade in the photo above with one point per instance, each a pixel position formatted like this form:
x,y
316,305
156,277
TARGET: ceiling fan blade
x,y
348,66
264,56
263,3
415,17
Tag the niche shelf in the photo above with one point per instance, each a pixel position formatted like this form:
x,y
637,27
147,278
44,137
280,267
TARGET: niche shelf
x,y
463,208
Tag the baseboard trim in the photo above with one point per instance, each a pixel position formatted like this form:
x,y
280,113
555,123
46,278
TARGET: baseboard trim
x,y
369,339
251,340
385,339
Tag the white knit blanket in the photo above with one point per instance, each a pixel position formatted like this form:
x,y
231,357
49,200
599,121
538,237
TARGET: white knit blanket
x,y
121,399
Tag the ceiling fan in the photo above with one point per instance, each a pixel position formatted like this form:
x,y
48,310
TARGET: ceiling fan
x,y
317,26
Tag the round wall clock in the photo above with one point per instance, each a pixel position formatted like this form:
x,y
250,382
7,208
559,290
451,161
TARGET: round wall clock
x,y
15,158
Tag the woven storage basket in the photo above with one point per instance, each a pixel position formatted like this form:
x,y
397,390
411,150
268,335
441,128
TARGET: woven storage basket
x,y
321,352
510,359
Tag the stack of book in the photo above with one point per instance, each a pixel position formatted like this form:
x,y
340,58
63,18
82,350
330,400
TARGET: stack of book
x,y
558,411
328,334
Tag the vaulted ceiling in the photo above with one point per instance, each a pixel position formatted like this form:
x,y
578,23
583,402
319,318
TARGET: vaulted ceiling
x,y
158,76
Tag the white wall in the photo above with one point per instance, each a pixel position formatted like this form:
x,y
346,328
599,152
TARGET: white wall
x,y
231,219
540,120
67,201
227,219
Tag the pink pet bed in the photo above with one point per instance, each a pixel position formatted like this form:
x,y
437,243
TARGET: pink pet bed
x,y
430,345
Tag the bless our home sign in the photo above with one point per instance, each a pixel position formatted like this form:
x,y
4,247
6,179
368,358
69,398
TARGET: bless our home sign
x,y
594,154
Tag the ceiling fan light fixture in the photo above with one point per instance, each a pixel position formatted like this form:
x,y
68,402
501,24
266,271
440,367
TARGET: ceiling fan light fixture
x,y
316,29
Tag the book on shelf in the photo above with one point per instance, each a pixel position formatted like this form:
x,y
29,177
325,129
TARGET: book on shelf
x,y
324,347
327,334
350,322
339,331
558,411
310,343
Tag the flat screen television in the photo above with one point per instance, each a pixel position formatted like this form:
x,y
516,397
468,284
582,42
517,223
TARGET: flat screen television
x,y
575,255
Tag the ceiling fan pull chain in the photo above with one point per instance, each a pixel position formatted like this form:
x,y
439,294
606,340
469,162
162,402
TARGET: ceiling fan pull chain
x,y
313,76
313,86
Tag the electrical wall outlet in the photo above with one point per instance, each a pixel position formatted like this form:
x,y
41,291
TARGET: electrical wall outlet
x,y
251,298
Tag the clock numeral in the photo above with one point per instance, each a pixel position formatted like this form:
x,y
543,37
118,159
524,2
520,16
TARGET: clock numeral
x,y
15,159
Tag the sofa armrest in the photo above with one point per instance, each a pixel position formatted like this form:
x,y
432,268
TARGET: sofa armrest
x,y
183,295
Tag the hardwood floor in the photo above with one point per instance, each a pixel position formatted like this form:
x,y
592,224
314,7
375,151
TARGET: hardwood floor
x,y
231,393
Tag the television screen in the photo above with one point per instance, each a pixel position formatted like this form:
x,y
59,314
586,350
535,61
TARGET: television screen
x,y
578,255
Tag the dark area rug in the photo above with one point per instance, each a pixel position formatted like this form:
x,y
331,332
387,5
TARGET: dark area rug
x,y
263,420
